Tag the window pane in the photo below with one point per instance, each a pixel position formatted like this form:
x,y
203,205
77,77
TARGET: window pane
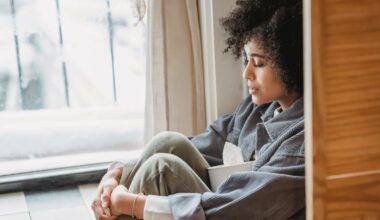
x,y
86,53
9,89
80,67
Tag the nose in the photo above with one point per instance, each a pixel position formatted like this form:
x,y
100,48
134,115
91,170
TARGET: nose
x,y
249,72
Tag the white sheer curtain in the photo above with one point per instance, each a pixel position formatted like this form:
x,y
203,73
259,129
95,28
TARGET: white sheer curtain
x,y
175,85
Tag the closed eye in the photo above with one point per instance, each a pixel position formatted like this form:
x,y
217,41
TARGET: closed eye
x,y
245,62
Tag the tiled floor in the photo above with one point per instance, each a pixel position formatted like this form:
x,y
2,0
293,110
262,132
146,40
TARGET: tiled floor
x,y
61,204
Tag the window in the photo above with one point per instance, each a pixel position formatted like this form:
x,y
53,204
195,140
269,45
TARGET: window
x,y
72,81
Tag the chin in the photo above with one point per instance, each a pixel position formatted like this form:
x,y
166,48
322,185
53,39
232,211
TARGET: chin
x,y
259,101
256,100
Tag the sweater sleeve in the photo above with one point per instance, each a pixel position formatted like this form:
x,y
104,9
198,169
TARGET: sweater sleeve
x,y
211,142
157,208
271,192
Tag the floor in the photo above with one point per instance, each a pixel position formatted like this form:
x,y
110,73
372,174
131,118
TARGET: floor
x,y
59,204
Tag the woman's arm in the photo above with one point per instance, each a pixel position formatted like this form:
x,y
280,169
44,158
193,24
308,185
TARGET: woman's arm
x,y
211,142
126,203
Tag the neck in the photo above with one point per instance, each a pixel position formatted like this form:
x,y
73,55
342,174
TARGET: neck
x,y
288,100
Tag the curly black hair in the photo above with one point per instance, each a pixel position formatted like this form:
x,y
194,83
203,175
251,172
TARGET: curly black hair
x,y
276,26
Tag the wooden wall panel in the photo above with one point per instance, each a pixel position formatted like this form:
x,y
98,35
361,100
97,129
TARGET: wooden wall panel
x,y
352,79
354,197
353,154
346,108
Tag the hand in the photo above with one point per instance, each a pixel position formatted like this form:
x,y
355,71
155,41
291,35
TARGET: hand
x,y
117,200
100,214
101,202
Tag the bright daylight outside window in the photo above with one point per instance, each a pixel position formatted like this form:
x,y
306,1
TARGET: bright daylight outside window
x,y
72,82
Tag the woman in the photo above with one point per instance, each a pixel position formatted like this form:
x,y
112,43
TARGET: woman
x,y
170,181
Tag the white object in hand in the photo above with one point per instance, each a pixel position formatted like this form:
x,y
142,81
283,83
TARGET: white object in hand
x,y
232,154
233,162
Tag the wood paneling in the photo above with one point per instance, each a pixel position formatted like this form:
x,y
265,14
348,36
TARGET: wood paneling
x,y
346,108
356,153
354,197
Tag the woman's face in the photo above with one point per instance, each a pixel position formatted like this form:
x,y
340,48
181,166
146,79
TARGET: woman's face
x,y
264,83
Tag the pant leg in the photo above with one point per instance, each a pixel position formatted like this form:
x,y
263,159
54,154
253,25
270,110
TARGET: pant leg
x,y
165,174
176,144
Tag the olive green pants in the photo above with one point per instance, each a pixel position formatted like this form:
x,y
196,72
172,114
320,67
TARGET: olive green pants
x,y
169,164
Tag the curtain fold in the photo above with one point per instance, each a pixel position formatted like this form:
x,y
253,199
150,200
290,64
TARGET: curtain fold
x,y
175,94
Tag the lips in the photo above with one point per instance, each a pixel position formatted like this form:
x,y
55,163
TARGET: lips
x,y
252,89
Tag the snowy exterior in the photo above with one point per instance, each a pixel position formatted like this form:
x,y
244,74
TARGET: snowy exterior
x,y
92,121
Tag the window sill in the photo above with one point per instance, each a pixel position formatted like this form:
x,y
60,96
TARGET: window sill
x,y
66,170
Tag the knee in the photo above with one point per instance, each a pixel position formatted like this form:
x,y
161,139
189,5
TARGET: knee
x,y
166,141
155,174
171,136
163,160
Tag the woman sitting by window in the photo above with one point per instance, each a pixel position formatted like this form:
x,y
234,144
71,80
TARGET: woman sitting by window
x,y
170,181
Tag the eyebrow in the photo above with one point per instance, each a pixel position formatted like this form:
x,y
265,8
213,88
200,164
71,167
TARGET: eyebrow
x,y
256,55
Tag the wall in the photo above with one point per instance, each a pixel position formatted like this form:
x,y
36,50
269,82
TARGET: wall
x,y
223,80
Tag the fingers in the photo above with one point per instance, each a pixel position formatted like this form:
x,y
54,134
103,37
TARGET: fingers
x,y
101,203
106,195
105,198
97,208
100,213
107,211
